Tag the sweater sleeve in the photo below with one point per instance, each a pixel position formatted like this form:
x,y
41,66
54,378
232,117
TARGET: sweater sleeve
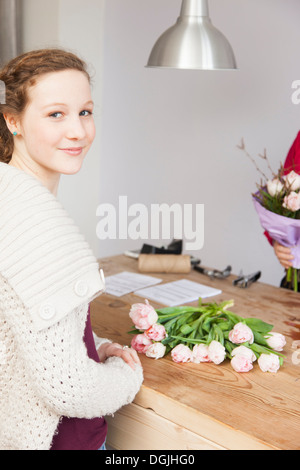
x,y
74,385
56,364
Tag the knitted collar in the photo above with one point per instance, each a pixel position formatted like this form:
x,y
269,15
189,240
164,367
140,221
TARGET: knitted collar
x,y
43,256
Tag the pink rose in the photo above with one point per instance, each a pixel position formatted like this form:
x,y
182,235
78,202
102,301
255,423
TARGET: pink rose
x,y
292,201
181,353
200,353
143,315
216,352
156,351
276,341
269,363
243,351
141,343
241,363
156,332
293,181
274,186
241,333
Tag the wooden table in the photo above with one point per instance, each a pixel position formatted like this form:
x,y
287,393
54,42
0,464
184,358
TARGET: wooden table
x,y
207,406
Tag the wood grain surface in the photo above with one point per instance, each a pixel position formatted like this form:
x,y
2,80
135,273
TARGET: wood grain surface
x,y
253,410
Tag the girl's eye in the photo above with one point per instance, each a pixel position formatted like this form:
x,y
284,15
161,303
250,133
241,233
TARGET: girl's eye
x,y
56,115
85,113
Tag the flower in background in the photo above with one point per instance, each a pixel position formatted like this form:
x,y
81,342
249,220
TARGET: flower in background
x,y
277,203
274,187
241,333
181,353
156,351
292,181
276,341
141,343
292,201
143,315
268,362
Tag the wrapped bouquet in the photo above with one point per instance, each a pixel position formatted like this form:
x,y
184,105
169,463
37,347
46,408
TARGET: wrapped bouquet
x,y
208,332
277,203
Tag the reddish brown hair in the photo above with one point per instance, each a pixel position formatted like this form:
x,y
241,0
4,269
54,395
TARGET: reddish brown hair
x,y
20,74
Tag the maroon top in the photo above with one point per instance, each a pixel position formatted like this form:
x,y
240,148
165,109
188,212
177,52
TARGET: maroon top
x,y
76,433
292,161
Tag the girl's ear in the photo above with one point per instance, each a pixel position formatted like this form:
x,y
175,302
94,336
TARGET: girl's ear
x,y
12,123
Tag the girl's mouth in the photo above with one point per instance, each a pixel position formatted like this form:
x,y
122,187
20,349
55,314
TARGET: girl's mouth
x,y
74,151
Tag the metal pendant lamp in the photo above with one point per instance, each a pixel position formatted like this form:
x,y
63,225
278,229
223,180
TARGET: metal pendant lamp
x,y
193,42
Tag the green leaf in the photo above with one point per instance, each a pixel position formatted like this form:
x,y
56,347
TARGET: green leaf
x,y
258,338
189,340
225,325
169,323
186,329
219,333
199,331
206,325
210,336
167,318
134,331
184,319
281,361
232,317
176,310
258,325
229,346
257,348
167,340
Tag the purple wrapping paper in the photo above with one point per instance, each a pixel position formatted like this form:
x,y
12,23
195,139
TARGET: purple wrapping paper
x,y
284,230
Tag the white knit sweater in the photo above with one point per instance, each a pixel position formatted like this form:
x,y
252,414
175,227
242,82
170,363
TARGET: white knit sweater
x,y
48,276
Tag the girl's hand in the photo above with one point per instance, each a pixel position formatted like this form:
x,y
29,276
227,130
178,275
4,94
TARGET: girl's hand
x,y
283,254
128,355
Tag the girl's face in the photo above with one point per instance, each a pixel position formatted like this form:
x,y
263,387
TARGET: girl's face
x,y
57,127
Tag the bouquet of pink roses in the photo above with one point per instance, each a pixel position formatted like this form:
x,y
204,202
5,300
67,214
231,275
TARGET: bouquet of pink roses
x,y
277,203
206,333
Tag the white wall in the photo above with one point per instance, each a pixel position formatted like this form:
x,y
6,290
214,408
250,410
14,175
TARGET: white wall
x,y
40,24
170,136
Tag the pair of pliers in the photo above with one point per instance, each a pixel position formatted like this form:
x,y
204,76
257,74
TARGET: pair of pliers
x,y
214,273
245,281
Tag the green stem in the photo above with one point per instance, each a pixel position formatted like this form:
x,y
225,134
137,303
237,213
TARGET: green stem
x,y
189,340
262,349
295,279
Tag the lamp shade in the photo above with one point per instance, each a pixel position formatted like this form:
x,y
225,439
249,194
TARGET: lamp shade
x,y
193,42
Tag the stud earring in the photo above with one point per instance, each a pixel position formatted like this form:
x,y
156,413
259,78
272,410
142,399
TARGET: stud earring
x,y
15,133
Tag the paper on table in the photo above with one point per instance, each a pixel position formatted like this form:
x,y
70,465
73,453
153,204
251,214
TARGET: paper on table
x,y
125,282
177,292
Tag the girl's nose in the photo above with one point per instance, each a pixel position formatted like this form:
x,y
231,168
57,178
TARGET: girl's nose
x,y
76,129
